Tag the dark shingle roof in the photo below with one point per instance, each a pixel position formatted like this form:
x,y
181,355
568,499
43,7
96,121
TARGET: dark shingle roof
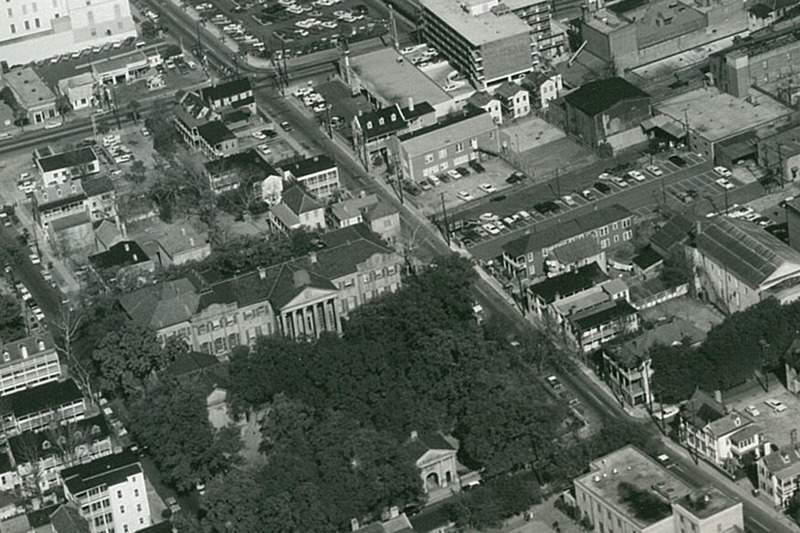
x,y
647,258
423,442
109,470
381,122
597,96
248,161
312,165
566,230
215,132
298,200
673,234
422,108
72,158
35,399
602,313
97,186
68,519
122,254
163,304
569,283
226,90
93,429
161,527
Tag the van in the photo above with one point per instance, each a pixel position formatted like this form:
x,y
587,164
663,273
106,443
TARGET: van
x,y
124,158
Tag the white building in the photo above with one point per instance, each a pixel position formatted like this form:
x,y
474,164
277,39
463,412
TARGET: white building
x,y
110,492
57,169
27,363
38,29
319,175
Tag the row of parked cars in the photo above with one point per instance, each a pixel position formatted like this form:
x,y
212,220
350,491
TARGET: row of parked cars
x,y
234,30
453,174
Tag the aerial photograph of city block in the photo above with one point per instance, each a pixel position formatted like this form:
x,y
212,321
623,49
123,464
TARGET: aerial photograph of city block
x,y
400,266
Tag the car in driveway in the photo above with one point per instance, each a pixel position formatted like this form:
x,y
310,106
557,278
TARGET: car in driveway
x,y
491,229
725,184
602,187
654,170
286,126
723,171
569,200
619,181
173,504
515,177
487,188
464,195
752,410
776,405
665,461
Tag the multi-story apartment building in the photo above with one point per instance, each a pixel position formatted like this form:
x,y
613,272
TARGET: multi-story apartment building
x,y
39,457
482,39
59,168
28,362
445,145
590,326
234,94
93,197
110,492
721,437
762,61
736,264
571,244
611,497
30,93
318,174
35,408
33,30
298,299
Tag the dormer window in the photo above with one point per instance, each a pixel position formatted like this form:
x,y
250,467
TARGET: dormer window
x,y
369,125
380,121
394,117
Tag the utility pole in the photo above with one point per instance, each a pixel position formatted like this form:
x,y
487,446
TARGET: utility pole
x,y
393,28
328,120
444,220
663,190
558,182
398,174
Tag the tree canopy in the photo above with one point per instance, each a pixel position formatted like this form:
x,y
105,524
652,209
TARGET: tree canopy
x,y
12,323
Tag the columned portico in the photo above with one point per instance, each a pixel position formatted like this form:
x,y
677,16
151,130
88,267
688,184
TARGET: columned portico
x,y
310,319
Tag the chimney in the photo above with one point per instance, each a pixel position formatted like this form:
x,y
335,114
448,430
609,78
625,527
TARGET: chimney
x,y
127,247
354,525
767,448
394,512
23,350
312,256
414,435
411,103
41,345
262,272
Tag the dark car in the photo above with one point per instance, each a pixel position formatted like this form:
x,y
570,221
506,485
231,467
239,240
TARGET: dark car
x,y
477,167
678,160
443,177
546,207
463,171
602,187
515,177
270,134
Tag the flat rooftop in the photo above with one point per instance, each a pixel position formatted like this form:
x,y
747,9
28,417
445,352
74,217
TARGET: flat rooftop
x,y
629,466
394,80
605,21
29,88
716,115
706,502
476,29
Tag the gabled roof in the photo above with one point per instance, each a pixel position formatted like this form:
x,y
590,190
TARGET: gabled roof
x,y
46,396
702,409
122,254
312,165
421,443
31,345
286,281
68,519
569,283
746,250
353,207
673,234
163,304
467,126
226,90
602,314
597,96
247,161
380,122
508,90
91,430
785,463
481,99
299,201
215,132
566,230
109,471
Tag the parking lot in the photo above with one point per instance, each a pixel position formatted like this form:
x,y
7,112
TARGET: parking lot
x,y
777,426
292,28
491,225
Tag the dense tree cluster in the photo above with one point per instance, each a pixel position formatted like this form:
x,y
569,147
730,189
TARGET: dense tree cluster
x,y
747,341
12,323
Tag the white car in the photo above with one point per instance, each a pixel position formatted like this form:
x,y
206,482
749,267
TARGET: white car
x,y
668,411
145,132
740,211
259,136
488,217
491,228
464,195
635,174
723,171
751,409
454,174
776,405
487,188
124,158
524,215
654,170
569,200
264,149
725,183
35,259
604,176
619,181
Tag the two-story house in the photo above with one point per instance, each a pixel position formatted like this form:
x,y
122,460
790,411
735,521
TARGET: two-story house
x,y
297,209
36,408
200,127
245,169
101,197
318,174
234,94
28,362
725,438
779,472
60,168
110,492
569,245
488,103
543,88
514,100
382,218
58,201
372,129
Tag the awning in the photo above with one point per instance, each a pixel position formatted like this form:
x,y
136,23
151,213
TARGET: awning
x,y
666,124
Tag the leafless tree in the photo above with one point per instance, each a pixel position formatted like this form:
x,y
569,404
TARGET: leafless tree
x,y
67,327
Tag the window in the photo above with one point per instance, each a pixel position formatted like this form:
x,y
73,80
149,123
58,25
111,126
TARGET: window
x,y
10,12
136,493
121,509
626,235
37,23
614,226
603,231
428,157
443,153
604,243
459,147
138,507
119,494
616,238
27,24
626,223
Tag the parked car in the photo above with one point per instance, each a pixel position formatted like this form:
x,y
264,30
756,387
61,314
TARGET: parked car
x,y
463,171
454,174
173,504
752,411
569,200
636,175
602,187
725,183
487,188
553,381
678,160
477,167
464,195
588,195
723,171
546,207
621,183
286,126
665,461
258,135
776,405
491,229
654,170
515,177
